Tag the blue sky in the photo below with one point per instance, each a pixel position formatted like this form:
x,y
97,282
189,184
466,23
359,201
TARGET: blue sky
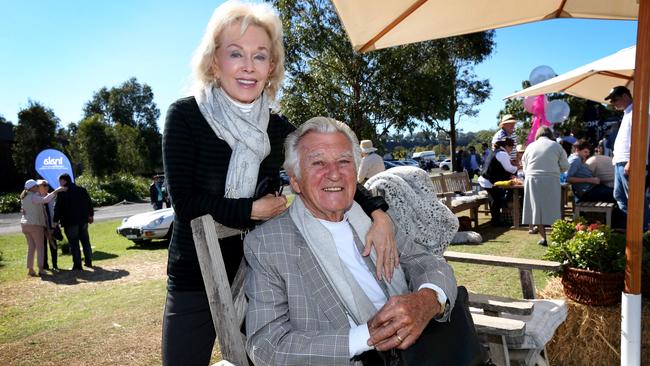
x,y
60,52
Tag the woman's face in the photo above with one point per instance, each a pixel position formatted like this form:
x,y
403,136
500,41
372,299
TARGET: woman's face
x,y
243,62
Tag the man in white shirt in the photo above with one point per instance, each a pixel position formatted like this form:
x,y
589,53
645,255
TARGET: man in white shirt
x,y
621,98
313,298
371,163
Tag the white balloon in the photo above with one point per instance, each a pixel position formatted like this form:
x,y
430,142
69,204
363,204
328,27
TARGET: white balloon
x,y
557,111
541,73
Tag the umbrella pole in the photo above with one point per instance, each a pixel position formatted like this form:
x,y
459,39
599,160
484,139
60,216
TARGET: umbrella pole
x,y
631,298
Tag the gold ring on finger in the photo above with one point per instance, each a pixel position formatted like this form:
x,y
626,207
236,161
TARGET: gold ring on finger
x,y
399,338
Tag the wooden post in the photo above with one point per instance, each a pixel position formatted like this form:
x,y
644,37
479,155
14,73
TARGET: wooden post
x,y
218,291
638,153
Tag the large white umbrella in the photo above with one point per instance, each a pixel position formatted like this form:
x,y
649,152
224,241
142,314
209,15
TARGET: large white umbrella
x,y
592,81
374,24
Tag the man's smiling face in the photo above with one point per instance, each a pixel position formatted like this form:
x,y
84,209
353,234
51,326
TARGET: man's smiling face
x,y
328,174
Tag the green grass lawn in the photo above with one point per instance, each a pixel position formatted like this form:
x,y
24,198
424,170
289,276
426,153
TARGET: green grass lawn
x,y
112,314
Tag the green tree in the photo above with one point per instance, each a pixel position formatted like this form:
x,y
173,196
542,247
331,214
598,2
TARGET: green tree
x,y
399,152
131,104
35,131
129,155
326,77
447,86
97,146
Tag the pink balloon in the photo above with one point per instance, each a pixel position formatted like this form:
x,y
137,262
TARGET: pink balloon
x,y
528,103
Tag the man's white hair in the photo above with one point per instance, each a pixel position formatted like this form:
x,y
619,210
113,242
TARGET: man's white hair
x,y
320,125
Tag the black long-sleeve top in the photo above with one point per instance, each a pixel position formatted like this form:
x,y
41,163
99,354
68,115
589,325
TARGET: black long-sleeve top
x,y
196,163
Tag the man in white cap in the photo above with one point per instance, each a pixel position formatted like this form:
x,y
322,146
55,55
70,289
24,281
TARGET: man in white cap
x,y
371,163
506,130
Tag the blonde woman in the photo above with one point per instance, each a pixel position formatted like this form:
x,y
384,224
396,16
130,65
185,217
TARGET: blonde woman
x,y
34,223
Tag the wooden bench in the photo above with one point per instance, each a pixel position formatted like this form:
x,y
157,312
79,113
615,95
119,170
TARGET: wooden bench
x,y
602,207
495,329
449,186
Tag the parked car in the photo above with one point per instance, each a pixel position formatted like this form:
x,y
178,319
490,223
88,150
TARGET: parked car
x,y
147,226
410,162
446,164
389,164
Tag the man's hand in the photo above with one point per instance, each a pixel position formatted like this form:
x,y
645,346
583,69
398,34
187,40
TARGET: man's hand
x,y
382,236
399,323
595,180
626,169
91,219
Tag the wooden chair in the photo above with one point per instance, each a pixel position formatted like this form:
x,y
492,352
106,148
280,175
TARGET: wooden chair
x,y
498,323
227,304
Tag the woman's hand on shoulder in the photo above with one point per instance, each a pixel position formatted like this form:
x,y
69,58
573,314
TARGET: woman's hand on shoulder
x,y
382,236
268,207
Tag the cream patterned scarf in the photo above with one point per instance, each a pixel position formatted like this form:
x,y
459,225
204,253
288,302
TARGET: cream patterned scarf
x,y
245,133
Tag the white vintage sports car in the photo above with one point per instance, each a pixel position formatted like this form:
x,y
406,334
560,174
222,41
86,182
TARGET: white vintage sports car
x,y
148,225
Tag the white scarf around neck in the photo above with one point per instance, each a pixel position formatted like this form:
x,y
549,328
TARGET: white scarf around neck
x,y
245,133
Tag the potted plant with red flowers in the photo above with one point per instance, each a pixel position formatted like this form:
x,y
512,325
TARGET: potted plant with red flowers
x,y
593,260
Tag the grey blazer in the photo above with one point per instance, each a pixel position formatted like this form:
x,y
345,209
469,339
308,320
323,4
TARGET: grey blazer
x,y
294,315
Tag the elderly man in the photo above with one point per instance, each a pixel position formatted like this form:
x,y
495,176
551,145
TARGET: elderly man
x,y
313,299
506,130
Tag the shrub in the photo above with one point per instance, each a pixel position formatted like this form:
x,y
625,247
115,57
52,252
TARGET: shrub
x,y
114,189
594,247
9,202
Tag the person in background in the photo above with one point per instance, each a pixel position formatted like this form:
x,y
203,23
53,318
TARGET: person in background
x,y
601,166
586,187
497,168
486,153
50,240
507,130
74,211
156,194
459,157
33,223
371,163
621,98
520,149
472,163
222,151
543,161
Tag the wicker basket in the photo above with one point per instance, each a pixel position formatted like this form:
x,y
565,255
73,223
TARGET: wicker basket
x,y
591,287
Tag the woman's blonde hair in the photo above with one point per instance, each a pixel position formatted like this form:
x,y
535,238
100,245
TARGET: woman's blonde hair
x,y
247,14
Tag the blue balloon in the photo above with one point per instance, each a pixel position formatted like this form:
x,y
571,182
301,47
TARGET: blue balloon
x,y
50,164
557,111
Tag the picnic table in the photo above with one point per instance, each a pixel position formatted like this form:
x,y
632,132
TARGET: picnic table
x,y
518,190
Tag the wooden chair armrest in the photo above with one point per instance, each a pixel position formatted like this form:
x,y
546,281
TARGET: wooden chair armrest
x,y
498,326
497,304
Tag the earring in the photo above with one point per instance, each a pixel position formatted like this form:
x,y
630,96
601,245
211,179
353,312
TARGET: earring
x,y
268,84
217,82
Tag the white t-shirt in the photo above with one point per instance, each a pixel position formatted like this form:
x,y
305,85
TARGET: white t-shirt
x,y
350,257
624,138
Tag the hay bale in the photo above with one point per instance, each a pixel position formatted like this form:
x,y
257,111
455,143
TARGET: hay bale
x,y
591,335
